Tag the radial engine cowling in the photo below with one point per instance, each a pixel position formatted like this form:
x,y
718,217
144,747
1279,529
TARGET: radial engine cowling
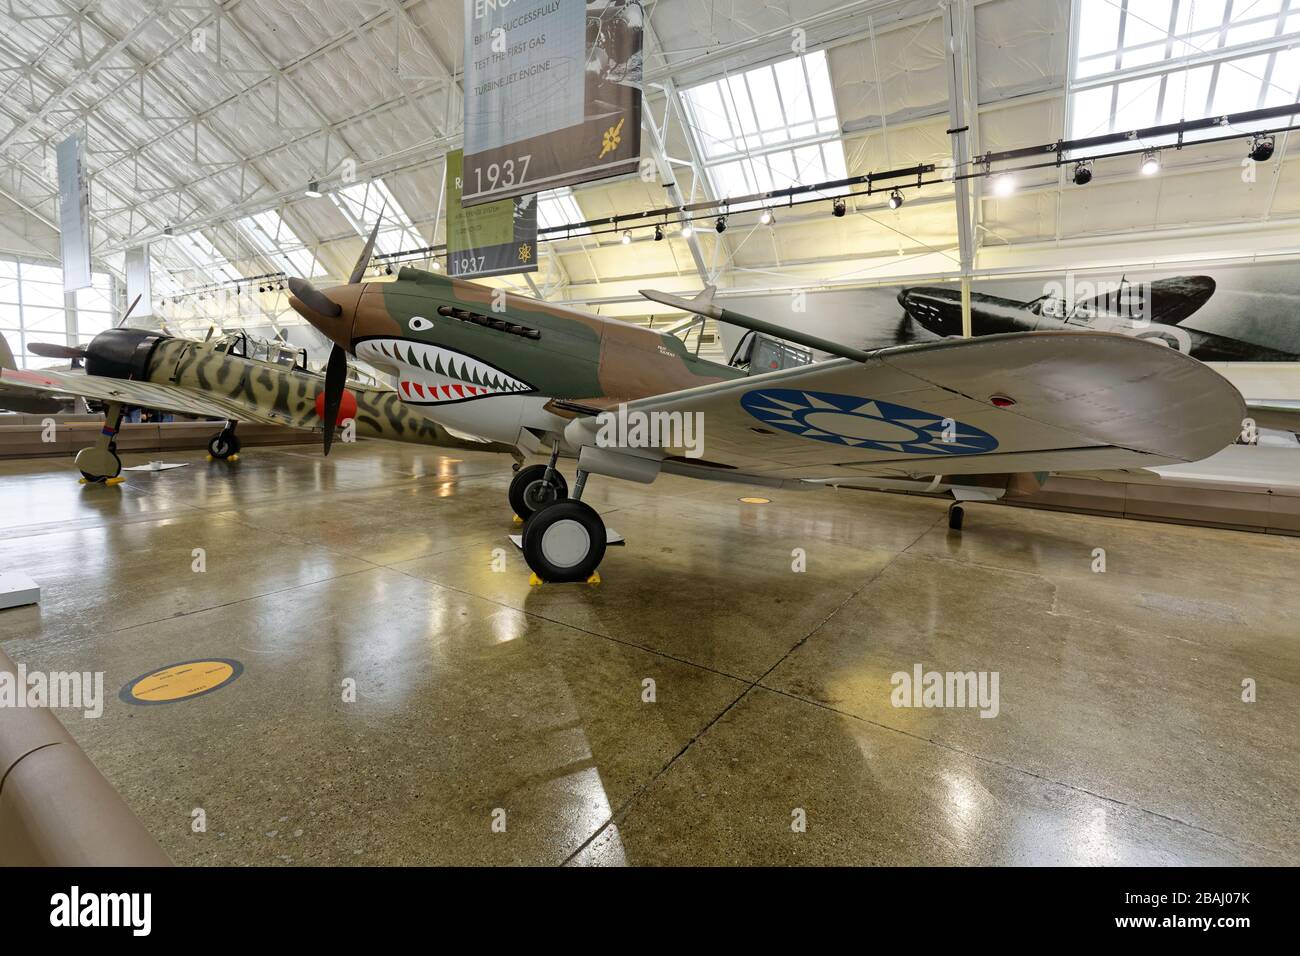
x,y
122,353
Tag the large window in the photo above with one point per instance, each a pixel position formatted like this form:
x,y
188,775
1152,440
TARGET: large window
x,y
1139,63
273,238
33,309
362,203
557,207
768,128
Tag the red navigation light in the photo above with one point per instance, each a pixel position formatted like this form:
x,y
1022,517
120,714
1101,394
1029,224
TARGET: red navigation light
x,y
1002,401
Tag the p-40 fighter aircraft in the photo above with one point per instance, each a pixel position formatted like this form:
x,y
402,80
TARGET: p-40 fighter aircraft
x,y
967,417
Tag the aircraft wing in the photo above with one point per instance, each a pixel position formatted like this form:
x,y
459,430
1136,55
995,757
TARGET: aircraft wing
x,y
1283,415
1082,400
164,398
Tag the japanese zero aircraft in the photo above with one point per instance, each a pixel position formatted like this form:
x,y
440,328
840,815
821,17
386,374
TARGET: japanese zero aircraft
x,y
970,417
217,379
1145,310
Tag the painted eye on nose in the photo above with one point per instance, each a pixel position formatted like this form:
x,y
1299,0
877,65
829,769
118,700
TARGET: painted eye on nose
x,y
419,323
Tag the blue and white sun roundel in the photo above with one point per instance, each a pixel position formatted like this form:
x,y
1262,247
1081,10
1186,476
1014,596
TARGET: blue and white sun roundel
x,y
865,423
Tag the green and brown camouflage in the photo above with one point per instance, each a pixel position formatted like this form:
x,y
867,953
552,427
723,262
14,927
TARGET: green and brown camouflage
x,y
556,352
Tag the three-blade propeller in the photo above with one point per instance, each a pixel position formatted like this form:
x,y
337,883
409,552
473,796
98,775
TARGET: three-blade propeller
x,y
336,371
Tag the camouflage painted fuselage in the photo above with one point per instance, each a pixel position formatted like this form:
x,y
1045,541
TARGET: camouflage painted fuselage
x,y
250,389
486,362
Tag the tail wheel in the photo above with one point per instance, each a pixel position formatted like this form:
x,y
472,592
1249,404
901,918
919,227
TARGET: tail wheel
x,y
98,464
223,444
530,492
565,542
955,515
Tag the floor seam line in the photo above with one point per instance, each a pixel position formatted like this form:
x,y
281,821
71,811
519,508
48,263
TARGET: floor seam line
x,y
627,804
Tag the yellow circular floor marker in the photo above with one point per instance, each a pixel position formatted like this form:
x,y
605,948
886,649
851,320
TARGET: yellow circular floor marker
x,y
183,681
754,500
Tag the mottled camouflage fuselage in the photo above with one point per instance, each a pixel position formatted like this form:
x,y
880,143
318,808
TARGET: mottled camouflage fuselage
x,y
483,361
255,390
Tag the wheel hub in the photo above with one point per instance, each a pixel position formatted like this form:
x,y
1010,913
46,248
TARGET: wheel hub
x,y
539,494
565,543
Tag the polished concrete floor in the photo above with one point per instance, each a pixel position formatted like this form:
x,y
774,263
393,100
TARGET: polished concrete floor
x,y
1121,735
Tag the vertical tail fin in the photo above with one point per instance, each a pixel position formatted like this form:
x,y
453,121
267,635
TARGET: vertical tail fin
x,y
6,355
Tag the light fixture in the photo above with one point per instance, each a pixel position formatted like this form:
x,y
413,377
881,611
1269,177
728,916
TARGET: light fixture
x,y
313,189
659,233
1083,172
838,208
1150,162
627,238
721,224
1004,185
1261,148
687,230
388,269
895,199
766,217
437,266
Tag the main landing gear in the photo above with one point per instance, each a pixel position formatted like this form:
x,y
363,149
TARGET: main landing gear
x,y
537,487
99,463
224,445
565,540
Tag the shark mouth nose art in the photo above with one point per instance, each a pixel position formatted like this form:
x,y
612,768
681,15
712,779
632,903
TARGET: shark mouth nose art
x,y
433,375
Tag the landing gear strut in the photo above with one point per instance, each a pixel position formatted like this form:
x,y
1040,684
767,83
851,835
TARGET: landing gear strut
x,y
99,462
566,540
224,445
537,487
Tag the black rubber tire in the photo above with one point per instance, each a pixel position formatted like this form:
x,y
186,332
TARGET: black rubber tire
x,y
955,515
222,445
566,518
519,487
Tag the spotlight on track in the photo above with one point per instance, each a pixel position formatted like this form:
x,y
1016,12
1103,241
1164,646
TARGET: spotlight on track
x,y
313,189
659,233
1004,185
626,238
1083,172
261,288
766,217
687,230
721,224
1150,162
1261,148
895,199
838,209
435,265
388,270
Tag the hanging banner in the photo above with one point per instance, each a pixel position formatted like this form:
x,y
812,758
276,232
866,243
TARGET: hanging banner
x,y
552,94
74,214
491,238
138,280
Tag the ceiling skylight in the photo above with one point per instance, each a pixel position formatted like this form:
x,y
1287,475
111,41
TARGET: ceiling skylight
x,y
362,203
1140,63
272,237
768,128
557,207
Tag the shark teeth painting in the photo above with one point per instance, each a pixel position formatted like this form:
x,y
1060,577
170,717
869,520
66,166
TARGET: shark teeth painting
x,y
435,375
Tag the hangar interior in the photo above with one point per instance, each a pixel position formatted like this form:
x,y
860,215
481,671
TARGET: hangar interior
x,y
727,692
